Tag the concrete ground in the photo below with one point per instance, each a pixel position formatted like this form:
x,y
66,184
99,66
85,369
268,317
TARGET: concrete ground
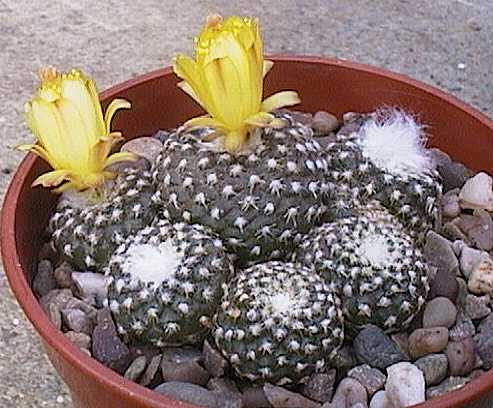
x,y
447,43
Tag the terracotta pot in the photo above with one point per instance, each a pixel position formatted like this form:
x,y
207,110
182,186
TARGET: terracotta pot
x,y
323,84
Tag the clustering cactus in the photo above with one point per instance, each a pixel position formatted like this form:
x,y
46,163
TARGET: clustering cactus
x,y
165,283
259,202
382,156
377,266
87,234
279,322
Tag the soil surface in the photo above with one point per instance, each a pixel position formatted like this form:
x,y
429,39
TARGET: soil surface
x,y
446,43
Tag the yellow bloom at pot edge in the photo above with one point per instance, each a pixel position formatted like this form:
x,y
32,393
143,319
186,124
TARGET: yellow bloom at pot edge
x,y
72,135
226,79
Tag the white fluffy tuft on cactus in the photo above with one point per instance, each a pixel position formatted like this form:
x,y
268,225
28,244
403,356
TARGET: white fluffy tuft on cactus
x,y
151,264
395,142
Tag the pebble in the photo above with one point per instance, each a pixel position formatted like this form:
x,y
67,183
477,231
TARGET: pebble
x,y
280,397
191,393
461,357
140,164
91,286
481,279
470,258
58,297
63,276
344,359
434,368
453,174
182,354
107,347
461,293
477,307
478,227
136,368
427,341
453,232
224,385
349,392
450,205
320,386
450,384
253,396
458,246
147,147
439,312
374,347
161,135
151,371
370,378
380,400
401,339
214,362
77,321
477,193
184,371
484,342
323,123
439,253
54,315
405,385
81,340
44,281
464,327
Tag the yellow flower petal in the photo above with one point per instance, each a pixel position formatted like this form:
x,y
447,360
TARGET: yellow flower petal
x,y
120,157
185,87
260,119
52,178
280,100
267,67
115,105
204,121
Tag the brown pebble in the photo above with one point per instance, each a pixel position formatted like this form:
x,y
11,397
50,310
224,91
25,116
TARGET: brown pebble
x,y
461,357
81,340
188,371
63,276
427,341
254,397
213,360
280,397
323,123
320,386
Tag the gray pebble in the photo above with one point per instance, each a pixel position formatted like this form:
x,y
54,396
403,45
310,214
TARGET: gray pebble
x,y
214,362
324,123
427,341
453,232
439,253
44,281
146,147
187,371
107,347
320,386
370,378
136,368
461,357
477,307
151,371
484,342
57,297
401,339
458,246
54,315
92,286
453,174
348,393
464,327
77,321
374,347
462,292
479,228
182,354
63,276
439,312
81,340
224,385
470,259
434,368
191,393
450,384
140,164
280,397
161,135
254,397
450,205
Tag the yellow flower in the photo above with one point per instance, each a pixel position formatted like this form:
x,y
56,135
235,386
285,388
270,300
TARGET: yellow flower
x,y
75,139
226,79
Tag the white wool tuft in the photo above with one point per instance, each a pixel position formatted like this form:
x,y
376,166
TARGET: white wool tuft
x,y
149,263
375,250
393,141
281,303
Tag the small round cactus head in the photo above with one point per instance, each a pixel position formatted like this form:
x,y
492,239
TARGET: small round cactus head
x,y
166,283
279,323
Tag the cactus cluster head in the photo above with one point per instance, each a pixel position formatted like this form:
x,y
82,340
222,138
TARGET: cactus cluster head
x,y
165,283
278,322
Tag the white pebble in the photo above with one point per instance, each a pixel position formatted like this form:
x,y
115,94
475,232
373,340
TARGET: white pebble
x,y
380,400
477,193
405,385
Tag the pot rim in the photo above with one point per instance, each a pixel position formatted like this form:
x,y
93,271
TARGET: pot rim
x,y
107,377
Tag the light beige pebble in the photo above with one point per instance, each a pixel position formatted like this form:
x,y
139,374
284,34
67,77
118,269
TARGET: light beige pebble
x,y
481,279
405,385
477,193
